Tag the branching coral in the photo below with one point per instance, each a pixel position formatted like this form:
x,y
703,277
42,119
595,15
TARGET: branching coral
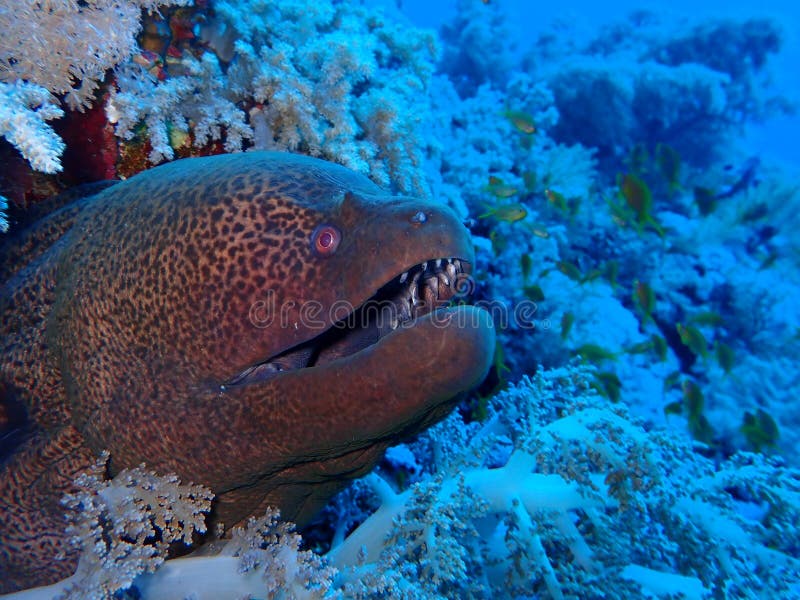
x,y
124,527
25,109
558,495
262,560
335,81
612,104
167,108
65,48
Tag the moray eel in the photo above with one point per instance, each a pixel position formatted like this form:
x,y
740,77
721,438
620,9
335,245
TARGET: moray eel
x,y
261,323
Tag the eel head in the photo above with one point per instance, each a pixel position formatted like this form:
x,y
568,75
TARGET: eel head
x,y
264,324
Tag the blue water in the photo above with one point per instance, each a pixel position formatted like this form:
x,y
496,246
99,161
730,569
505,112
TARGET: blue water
x,y
776,138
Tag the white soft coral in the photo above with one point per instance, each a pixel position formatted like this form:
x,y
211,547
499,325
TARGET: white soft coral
x,y
560,494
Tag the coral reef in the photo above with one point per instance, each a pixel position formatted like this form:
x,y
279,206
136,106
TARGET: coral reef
x,y
25,109
606,190
477,47
604,238
555,494
649,80
558,494
341,82
62,48
66,47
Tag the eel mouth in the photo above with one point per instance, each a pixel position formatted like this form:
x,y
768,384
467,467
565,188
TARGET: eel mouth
x,y
415,292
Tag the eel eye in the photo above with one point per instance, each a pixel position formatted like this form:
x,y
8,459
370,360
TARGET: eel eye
x,y
325,240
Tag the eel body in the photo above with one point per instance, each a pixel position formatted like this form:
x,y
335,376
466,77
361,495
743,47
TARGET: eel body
x,y
261,323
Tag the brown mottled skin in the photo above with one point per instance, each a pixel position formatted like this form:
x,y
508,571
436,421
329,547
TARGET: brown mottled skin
x,y
123,315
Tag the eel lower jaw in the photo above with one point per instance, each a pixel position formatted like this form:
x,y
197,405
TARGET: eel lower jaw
x,y
415,292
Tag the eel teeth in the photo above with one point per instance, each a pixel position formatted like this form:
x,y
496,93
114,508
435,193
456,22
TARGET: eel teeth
x,y
432,283
430,294
425,287
451,271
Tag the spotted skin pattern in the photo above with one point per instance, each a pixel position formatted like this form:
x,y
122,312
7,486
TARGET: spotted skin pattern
x,y
138,304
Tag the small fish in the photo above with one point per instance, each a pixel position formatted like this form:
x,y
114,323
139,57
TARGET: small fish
x,y
521,121
693,399
725,356
556,199
674,408
640,348
692,338
539,230
567,320
760,429
659,347
179,138
639,198
146,59
637,195
592,275
706,319
608,385
499,361
768,261
701,430
669,163
510,213
529,179
533,292
570,270
755,212
499,242
610,272
594,353
671,380
499,189
644,298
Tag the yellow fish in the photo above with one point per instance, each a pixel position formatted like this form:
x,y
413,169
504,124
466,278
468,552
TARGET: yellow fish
x,y
499,189
510,213
556,199
521,121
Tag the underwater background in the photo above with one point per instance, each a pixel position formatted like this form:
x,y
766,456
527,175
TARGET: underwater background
x,y
631,178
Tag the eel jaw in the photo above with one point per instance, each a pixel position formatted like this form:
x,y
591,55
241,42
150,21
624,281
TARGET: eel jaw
x,y
408,296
